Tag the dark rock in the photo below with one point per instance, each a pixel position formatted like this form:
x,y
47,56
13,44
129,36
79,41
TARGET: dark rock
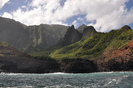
x,y
12,60
80,29
71,36
30,38
88,31
77,66
118,60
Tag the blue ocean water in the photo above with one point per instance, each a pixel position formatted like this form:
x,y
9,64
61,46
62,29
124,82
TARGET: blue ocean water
x,y
62,80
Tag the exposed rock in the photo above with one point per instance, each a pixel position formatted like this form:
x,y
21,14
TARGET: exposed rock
x,y
10,32
12,60
88,31
71,36
77,66
80,29
119,60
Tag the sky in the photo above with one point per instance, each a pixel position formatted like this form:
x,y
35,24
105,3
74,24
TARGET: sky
x,y
104,15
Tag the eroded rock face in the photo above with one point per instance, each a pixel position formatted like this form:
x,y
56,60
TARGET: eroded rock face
x,y
81,28
71,36
77,66
88,31
12,60
119,60
27,65
30,38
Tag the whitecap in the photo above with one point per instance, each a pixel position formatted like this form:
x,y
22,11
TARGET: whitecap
x,y
2,73
58,73
13,73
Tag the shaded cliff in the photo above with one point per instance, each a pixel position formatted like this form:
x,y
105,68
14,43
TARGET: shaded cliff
x,y
11,31
12,60
112,51
71,36
81,28
77,66
30,38
44,36
88,31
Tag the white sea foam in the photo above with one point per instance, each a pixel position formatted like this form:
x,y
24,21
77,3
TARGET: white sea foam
x,y
12,74
59,73
2,73
60,80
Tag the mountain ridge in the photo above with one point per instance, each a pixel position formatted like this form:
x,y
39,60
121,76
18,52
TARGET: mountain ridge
x,y
98,42
93,51
72,35
30,38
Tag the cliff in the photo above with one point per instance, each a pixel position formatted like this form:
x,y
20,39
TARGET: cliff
x,y
71,36
78,52
77,66
112,51
118,60
81,28
12,60
88,32
30,38
95,44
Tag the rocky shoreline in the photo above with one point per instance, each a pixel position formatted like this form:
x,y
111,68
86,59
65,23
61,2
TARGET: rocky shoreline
x,y
52,66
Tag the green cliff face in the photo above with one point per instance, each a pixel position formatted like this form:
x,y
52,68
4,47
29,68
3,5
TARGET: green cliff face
x,y
30,38
44,36
95,45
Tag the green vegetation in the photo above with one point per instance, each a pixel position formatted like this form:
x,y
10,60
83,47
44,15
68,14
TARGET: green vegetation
x,y
3,43
43,36
95,45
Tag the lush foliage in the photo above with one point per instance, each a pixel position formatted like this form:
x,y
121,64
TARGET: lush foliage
x,y
95,45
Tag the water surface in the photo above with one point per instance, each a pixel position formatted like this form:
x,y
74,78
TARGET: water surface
x,y
61,80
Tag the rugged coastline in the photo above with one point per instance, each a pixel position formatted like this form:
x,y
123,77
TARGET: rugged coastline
x,y
69,50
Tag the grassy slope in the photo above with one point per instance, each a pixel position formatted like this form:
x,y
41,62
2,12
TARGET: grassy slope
x,y
95,45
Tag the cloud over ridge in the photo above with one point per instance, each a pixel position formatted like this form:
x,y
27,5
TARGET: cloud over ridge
x,y
104,15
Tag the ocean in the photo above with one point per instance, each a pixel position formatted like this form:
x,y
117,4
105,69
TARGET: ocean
x,y
64,80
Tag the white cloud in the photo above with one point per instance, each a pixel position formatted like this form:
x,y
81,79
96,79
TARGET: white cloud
x,y
108,14
7,15
75,23
23,6
3,2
